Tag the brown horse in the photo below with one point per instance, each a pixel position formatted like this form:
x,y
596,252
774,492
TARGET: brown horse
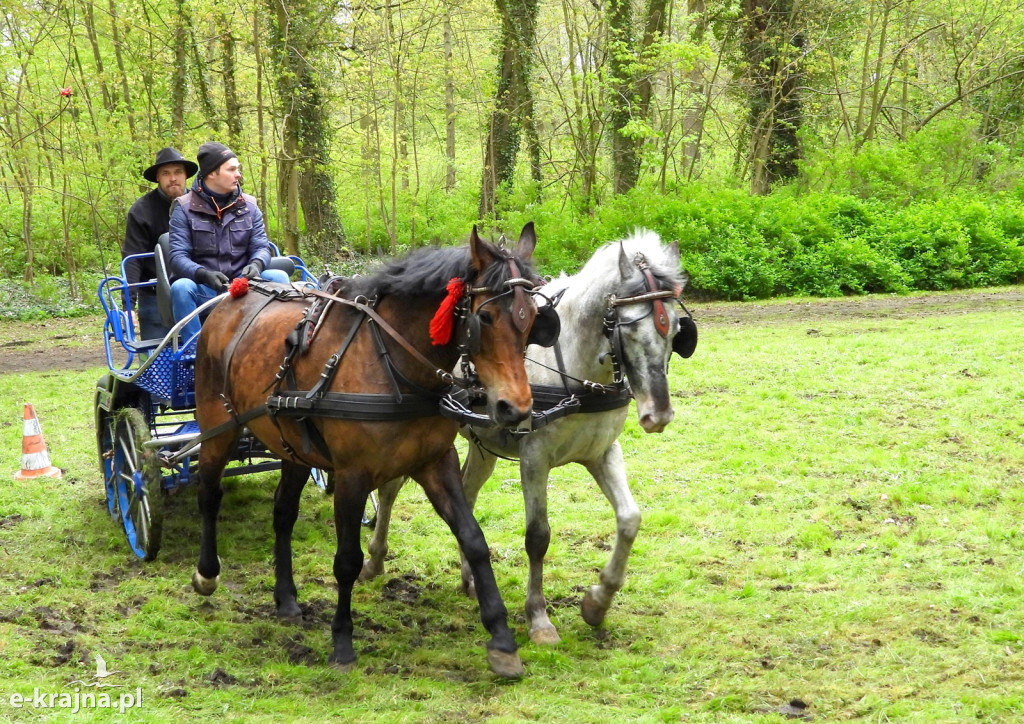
x,y
238,358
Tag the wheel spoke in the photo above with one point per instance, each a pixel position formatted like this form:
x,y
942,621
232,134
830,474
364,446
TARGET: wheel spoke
x,y
134,477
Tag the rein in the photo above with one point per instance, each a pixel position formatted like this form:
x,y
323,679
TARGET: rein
x,y
370,312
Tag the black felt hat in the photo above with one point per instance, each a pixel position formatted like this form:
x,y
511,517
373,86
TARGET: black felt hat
x,y
169,155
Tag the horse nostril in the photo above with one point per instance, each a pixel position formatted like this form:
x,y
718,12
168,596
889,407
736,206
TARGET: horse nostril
x,y
656,422
505,413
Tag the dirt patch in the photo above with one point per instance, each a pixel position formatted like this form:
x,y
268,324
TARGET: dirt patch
x,y
54,344
77,344
877,306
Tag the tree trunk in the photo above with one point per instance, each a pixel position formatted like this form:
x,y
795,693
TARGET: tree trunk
x,y
205,97
449,103
306,131
257,49
90,30
630,71
620,42
693,116
233,109
122,75
179,76
772,52
513,99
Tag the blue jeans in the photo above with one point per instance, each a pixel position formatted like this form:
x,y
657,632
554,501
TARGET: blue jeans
x,y
187,296
150,326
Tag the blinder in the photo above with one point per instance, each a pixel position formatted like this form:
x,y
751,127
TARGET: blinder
x,y
546,327
544,332
472,333
685,340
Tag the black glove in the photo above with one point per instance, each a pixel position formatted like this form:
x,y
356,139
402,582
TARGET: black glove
x,y
217,281
253,269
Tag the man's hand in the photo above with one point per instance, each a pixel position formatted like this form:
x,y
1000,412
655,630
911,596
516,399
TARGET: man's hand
x,y
253,270
217,281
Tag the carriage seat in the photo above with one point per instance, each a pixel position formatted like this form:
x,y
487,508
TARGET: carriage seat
x,y
162,257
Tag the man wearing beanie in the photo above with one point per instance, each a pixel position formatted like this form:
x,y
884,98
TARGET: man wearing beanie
x,y
147,219
217,234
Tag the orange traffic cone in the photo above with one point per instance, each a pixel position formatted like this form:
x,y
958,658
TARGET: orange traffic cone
x,y
35,461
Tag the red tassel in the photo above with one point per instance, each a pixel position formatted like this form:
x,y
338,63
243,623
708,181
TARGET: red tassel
x,y
239,288
443,323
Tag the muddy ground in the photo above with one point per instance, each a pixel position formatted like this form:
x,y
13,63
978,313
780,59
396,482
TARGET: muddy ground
x,y
77,344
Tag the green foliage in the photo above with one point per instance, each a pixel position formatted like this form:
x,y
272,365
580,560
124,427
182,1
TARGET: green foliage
x,y
737,246
48,297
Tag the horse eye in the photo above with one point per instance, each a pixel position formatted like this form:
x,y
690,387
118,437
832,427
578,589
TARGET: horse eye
x,y
485,317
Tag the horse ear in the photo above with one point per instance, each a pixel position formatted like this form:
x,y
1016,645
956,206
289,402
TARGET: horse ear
x,y
481,253
625,267
673,254
527,242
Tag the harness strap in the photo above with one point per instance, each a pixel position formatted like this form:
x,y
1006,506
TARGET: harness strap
x,y
354,406
547,397
392,332
235,422
389,366
241,329
660,316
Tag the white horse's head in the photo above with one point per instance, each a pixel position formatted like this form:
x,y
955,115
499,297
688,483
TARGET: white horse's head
x,y
645,323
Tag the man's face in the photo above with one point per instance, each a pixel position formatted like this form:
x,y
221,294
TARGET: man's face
x,y
225,178
171,179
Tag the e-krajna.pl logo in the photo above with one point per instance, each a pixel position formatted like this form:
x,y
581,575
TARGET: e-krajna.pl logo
x,y
75,701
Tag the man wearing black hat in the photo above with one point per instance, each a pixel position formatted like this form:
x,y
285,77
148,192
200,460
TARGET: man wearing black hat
x,y
148,218
217,234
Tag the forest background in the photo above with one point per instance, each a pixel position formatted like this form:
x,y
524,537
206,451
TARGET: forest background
x,y
818,147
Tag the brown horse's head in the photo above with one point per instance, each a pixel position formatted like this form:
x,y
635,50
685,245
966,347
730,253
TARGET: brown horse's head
x,y
500,323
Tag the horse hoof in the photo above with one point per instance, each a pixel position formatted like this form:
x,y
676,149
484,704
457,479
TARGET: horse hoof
x,y
469,590
545,635
369,571
204,586
593,612
505,664
343,668
290,612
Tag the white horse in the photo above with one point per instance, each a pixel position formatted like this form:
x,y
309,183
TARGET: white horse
x,y
620,325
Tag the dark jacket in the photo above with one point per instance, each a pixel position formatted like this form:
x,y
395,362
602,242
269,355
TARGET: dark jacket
x,y
225,242
148,218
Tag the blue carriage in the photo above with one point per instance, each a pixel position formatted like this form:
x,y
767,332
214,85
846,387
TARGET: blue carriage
x,y
146,432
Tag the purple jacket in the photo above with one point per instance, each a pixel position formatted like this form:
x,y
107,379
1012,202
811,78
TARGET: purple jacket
x,y
198,238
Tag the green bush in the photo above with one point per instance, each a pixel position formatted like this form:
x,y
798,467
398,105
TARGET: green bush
x,y
737,246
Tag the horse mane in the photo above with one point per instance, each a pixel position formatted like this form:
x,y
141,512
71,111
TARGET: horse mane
x,y
602,270
427,271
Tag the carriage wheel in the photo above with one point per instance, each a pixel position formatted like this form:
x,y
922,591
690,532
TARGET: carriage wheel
x,y
105,438
323,479
135,481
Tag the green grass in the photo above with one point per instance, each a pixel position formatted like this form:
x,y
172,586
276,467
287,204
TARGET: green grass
x,y
834,516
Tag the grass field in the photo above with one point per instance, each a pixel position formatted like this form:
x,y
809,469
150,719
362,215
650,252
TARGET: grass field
x,y
834,516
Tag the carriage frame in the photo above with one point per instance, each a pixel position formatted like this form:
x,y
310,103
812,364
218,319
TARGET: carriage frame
x,y
144,406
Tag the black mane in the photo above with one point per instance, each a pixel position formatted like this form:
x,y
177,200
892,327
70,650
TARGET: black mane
x,y
426,272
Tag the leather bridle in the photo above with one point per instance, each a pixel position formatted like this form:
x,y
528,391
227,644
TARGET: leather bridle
x,y
655,297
